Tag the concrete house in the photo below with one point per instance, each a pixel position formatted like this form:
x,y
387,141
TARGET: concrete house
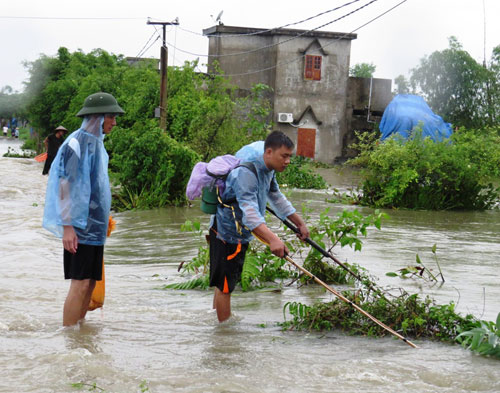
x,y
308,72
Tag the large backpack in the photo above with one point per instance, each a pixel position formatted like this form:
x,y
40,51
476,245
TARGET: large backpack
x,y
208,181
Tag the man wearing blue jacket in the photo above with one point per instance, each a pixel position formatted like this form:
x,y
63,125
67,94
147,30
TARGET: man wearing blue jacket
x,y
230,234
78,201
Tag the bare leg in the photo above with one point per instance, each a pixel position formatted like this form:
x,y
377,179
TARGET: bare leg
x,y
86,300
77,301
222,304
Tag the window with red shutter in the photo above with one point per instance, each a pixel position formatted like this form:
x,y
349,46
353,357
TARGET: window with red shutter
x,y
312,68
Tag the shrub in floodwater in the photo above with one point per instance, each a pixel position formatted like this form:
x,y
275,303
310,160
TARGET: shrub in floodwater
x,y
407,314
30,144
483,339
344,230
151,168
14,154
419,173
300,175
262,267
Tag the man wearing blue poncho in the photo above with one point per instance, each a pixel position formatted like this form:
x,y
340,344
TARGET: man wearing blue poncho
x,y
78,201
250,192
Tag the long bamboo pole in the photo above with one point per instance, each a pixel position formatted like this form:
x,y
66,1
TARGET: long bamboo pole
x,y
342,297
354,305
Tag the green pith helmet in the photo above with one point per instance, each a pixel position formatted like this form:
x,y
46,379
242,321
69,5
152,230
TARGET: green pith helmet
x,y
100,103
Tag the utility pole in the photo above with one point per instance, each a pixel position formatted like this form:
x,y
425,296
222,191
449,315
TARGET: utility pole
x,y
163,72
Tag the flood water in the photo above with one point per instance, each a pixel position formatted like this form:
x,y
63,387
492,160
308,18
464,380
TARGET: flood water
x,y
172,340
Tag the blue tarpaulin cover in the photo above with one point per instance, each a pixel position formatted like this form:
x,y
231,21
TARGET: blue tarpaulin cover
x,y
404,113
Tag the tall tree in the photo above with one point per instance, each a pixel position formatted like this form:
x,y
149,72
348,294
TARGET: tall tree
x,y
402,85
457,87
362,70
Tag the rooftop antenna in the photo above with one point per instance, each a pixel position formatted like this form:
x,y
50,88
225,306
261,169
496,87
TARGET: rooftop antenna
x,y
218,18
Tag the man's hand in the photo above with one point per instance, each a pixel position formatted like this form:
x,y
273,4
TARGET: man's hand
x,y
278,248
70,240
301,226
304,232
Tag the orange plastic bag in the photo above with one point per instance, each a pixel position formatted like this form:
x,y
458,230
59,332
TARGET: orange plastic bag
x,y
97,299
41,157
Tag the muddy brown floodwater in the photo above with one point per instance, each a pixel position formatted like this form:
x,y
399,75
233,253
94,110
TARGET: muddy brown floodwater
x,y
172,340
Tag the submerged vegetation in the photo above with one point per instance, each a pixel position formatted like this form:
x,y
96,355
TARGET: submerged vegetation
x,y
299,174
418,173
15,154
405,313
262,268
483,339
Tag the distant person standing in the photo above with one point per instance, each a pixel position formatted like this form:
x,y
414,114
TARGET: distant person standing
x,y
13,125
52,144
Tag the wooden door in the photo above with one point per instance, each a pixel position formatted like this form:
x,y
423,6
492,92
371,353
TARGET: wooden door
x,y
306,142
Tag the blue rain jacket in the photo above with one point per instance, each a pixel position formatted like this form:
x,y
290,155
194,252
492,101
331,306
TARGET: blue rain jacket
x,y
252,194
78,191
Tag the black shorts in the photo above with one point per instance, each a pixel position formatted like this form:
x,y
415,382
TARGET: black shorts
x,y
85,263
226,262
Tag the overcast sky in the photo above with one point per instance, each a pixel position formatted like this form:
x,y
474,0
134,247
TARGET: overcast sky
x,y
394,43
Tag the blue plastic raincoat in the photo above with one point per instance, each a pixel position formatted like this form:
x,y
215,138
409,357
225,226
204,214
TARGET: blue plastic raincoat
x,y
252,194
78,192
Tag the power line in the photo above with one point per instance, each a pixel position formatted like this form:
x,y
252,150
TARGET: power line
x,y
142,51
322,47
68,18
274,28
280,42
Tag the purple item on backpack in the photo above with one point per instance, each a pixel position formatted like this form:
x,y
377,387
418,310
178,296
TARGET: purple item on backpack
x,y
218,166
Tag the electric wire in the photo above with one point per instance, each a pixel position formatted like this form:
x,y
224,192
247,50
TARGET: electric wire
x,y
157,38
147,42
321,47
69,17
274,28
280,42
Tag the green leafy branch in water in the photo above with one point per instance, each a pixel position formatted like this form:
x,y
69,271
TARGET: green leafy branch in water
x,y
92,387
262,267
351,197
199,265
483,339
14,154
345,230
420,270
348,226
406,313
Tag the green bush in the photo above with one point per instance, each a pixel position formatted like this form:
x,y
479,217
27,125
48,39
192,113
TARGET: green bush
x,y
407,313
419,173
298,174
151,168
30,144
483,339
